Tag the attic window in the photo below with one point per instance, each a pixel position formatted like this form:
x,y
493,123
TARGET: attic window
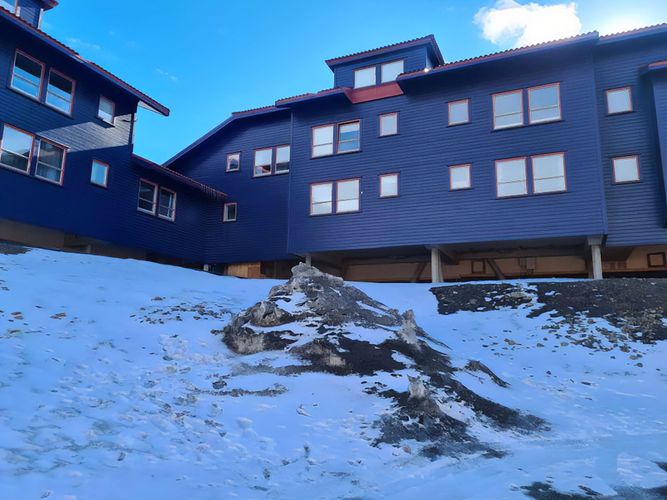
x,y
107,110
233,162
390,71
364,77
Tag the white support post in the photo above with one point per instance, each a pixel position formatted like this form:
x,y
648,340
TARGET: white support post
x,y
596,261
309,260
436,266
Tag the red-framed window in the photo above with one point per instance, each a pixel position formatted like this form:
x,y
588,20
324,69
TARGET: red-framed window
x,y
106,110
60,92
508,109
27,75
458,112
548,173
147,196
99,173
544,103
50,161
263,162
511,178
16,149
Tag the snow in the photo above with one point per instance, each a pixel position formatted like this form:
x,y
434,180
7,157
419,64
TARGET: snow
x,y
108,372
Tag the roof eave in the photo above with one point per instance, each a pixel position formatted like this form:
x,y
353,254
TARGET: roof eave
x,y
428,40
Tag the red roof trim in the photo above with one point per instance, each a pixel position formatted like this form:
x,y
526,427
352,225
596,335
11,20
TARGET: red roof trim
x,y
76,56
425,40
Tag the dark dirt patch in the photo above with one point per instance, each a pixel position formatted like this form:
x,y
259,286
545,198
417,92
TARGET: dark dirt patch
x,y
479,298
544,491
12,249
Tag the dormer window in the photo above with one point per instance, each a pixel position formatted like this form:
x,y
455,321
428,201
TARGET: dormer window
x,y
390,71
107,110
364,77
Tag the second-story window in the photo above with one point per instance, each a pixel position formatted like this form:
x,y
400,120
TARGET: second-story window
x,y
50,162
263,160
544,103
323,139
388,124
147,197
348,137
390,71
347,196
27,75
233,162
459,177
16,149
619,100
282,159
458,112
388,185
511,177
167,204
60,92
106,110
365,77
508,109
548,173
321,198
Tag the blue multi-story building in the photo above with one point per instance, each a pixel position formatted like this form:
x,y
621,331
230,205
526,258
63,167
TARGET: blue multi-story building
x,y
543,160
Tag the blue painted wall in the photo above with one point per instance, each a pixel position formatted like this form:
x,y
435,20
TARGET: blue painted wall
x,y
30,11
660,101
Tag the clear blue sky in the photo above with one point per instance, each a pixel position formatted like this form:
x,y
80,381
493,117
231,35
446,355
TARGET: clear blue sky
x,y
206,58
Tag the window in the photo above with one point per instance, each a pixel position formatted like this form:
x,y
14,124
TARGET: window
x,y
16,149
544,103
147,197
233,162
619,100
364,77
99,173
626,169
511,177
508,109
548,173
282,159
348,137
459,177
263,159
321,198
167,205
27,75
229,212
50,161
347,196
323,138
388,124
388,185
10,5
60,92
107,110
658,259
390,71
458,112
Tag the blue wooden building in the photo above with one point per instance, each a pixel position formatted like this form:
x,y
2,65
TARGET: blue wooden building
x,y
537,161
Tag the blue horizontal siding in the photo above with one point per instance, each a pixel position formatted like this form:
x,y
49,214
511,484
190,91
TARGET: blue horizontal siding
x,y
30,11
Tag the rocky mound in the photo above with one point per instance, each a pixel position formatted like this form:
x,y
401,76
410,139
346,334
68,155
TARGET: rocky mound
x,y
324,325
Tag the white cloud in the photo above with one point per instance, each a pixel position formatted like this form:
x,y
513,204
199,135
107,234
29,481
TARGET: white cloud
x,y
510,23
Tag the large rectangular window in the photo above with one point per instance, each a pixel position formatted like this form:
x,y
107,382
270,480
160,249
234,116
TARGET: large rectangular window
x,y
27,75
347,196
99,173
60,92
323,139
348,137
263,160
233,162
16,149
106,110
282,159
321,198
626,169
50,162
544,103
511,177
167,204
548,173
508,109
364,77
390,71
147,197
388,124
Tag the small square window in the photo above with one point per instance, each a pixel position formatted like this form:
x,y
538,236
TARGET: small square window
x,y
478,267
365,77
657,259
229,212
458,112
233,162
388,185
107,110
390,71
626,169
388,124
619,100
459,177
99,173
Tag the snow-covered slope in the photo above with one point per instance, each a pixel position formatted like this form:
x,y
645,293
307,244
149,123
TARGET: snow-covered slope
x,y
113,386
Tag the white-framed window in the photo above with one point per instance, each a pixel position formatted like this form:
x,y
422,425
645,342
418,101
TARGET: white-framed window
x,y
282,159
388,124
548,173
106,110
99,173
323,141
233,162
349,137
459,177
458,112
230,212
508,109
365,77
619,100
60,92
166,208
16,147
321,198
390,71
27,75
147,197
388,185
263,161
544,103
625,169
511,177
347,196
50,161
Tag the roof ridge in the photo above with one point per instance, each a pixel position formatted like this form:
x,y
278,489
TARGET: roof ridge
x,y
634,30
430,37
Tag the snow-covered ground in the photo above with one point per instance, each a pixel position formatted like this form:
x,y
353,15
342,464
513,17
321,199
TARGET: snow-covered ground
x,y
109,388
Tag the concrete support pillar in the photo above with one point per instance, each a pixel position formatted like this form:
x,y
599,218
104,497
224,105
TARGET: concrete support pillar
x,y
436,266
596,261
309,260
